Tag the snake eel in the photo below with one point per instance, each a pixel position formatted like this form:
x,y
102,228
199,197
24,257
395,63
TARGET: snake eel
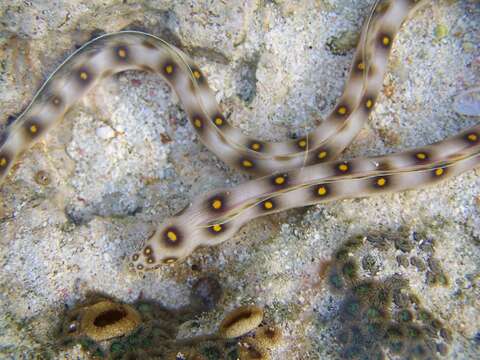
x,y
287,174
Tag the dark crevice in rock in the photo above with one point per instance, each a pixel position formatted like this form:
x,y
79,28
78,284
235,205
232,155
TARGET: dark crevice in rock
x,y
246,82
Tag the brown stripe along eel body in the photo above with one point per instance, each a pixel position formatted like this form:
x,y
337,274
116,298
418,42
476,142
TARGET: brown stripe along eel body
x,y
289,174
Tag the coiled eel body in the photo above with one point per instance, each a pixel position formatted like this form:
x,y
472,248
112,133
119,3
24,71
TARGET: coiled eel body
x,y
289,174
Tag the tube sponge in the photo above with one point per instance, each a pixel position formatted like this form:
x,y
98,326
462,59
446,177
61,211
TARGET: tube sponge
x,y
240,321
105,320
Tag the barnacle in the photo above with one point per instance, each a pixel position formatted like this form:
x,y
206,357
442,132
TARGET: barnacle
x,y
240,321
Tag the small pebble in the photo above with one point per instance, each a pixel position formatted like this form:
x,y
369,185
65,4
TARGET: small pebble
x,y
441,31
468,102
105,132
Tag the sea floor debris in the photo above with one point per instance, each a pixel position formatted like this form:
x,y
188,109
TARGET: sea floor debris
x,y
108,329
